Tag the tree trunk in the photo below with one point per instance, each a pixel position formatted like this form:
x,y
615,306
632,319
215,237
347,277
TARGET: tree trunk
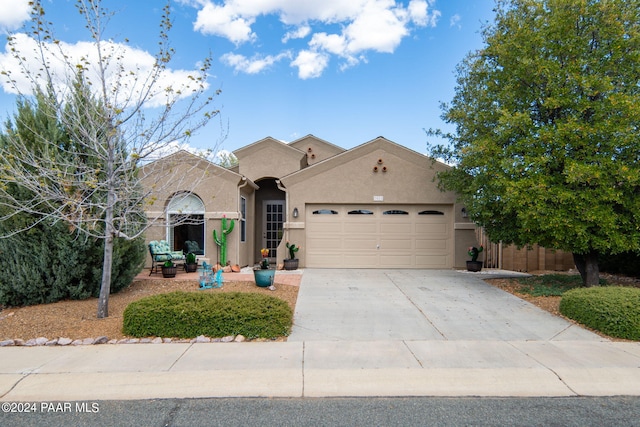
x,y
105,286
587,265
109,233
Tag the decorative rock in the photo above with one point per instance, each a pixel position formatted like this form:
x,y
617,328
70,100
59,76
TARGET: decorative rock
x,y
123,341
145,341
229,338
216,340
41,340
7,343
51,342
101,340
87,341
19,342
30,343
64,341
202,338
239,338
167,340
156,340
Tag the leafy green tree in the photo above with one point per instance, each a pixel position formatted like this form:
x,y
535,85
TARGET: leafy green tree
x,y
117,116
546,147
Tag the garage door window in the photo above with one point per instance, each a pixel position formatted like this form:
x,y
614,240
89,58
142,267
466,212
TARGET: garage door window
x,y
395,212
325,212
360,212
430,213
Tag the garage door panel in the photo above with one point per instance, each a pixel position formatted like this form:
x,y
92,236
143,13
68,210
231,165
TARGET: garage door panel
x,y
432,229
360,260
360,228
359,244
398,260
431,261
322,259
396,227
390,244
321,244
435,244
380,241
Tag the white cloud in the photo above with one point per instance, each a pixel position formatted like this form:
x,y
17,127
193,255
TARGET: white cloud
x,y
299,33
13,13
364,26
225,22
252,65
455,21
310,64
136,64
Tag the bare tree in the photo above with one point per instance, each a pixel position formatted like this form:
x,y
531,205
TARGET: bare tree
x,y
116,119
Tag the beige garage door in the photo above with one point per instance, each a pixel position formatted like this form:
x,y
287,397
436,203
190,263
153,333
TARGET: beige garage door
x,y
379,236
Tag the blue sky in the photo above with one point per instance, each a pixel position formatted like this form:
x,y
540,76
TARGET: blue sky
x,y
344,71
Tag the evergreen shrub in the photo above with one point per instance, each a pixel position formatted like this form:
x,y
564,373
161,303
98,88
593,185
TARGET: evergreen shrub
x,y
48,264
613,310
190,314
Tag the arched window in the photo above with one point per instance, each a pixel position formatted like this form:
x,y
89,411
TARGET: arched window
x,y
325,212
185,219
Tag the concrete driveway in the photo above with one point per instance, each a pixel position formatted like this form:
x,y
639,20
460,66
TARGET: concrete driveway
x,y
375,305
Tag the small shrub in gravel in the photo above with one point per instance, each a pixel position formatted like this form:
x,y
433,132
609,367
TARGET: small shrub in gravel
x,y
190,314
612,310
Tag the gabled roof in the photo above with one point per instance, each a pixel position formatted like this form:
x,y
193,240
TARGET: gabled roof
x,y
266,142
379,143
301,143
185,157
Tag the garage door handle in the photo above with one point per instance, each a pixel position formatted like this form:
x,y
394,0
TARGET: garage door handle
x,y
377,246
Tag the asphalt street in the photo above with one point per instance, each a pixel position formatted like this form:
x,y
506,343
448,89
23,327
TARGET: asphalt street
x,y
423,411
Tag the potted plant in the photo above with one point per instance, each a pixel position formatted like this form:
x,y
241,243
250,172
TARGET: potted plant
x,y
262,274
169,269
191,264
474,264
292,262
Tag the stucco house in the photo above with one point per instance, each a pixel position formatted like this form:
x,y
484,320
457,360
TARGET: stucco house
x,y
374,206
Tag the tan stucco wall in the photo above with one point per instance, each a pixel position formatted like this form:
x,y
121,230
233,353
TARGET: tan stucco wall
x,y
215,186
269,159
350,178
316,149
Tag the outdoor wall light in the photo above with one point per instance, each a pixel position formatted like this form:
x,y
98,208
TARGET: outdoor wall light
x,y
295,212
464,212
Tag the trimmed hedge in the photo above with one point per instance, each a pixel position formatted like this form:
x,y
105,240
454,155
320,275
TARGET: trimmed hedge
x,y
190,314
612,310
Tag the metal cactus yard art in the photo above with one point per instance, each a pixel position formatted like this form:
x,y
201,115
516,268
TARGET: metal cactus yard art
x,y
221,239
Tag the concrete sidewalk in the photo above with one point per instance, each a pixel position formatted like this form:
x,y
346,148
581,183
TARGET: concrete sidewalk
x,y
320,369
356,333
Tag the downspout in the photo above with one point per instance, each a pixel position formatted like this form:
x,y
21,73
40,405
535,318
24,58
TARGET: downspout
x,y
286,218
243,183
